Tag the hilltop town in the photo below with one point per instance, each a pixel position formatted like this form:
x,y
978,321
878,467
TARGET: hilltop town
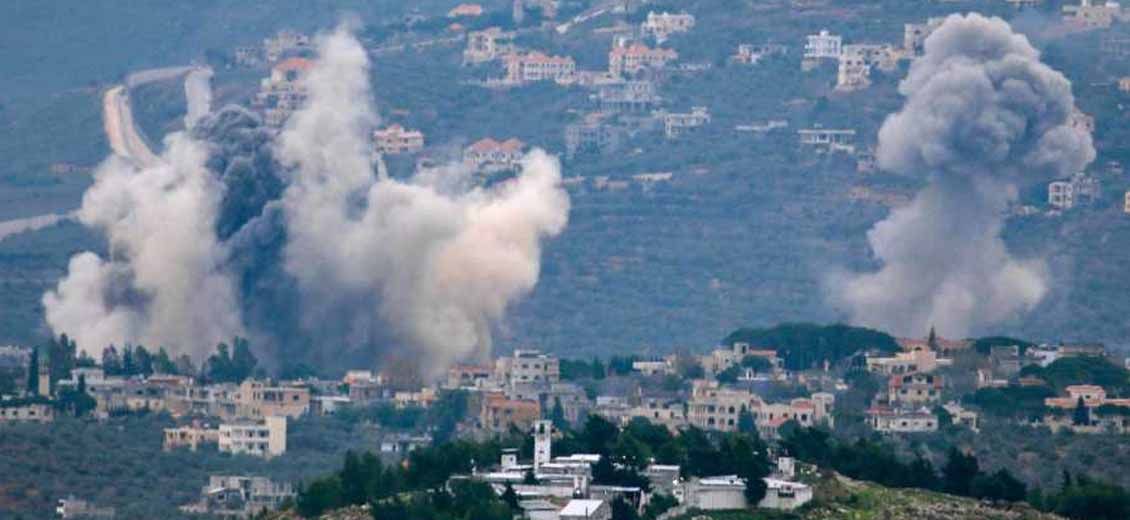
x,y
719,167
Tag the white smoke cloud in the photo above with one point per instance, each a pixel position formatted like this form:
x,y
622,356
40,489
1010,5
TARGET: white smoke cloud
x,y
981,112
439,265
164,284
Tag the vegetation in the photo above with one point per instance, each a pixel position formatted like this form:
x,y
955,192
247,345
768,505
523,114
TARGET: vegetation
x,y
1080,370
805,345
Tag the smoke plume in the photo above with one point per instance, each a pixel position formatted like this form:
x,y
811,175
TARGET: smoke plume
x,y
164,284
438,266
297,242
981,113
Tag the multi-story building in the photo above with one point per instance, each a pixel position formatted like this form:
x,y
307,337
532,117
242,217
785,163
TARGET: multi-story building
x,y
752,54
1101,413
593,135
1093,14
662,25
266,438
1079,189
890,420
675,124
854,73
628,96
915,34
238,496
396,140
469,376
283,92
923,360
528,367
537,66
285,43
633,58
488,45
500,414
668,412
823,45
828,140
256,400
190,436
914,389
488,155
26,410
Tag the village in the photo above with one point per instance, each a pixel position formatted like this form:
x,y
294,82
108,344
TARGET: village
x,y
632,98
532,393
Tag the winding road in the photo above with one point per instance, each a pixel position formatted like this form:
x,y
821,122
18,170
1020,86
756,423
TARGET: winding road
x,y
122,133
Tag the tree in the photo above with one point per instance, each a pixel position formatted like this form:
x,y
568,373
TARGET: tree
x,y
321,496
598,435
658,505
959,472
557,415
1082,415
630,452
33,373
746,422
111,361
597,369
510,497
622,510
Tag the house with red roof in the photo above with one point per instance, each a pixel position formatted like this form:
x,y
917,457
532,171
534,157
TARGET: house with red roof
x,y
489,155
631,59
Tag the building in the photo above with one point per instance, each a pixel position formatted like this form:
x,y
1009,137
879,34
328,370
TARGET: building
x,y
888,420
823,45
469,376
238,496
668,412
283,91
961,416
628,96
914,389
662,25
528,367
191,437
828,140
537,66
488,155
259,439
1078,190
1005,360
593,135
1093,14
500,414
26,410
657,367
915,34
256,400
675,124
923,360
73,508
634,58
547,8
584,509
785,495
395,140
854,73
716,493
465,10
752,54
1101,413
488,45
543,443
285,43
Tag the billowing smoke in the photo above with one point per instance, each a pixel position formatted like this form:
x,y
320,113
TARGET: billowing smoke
x,y
981,113
441,265
164,284
296,241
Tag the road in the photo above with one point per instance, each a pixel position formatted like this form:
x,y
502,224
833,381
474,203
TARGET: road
x,y
122,133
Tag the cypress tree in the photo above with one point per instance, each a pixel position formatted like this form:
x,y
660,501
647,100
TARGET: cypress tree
x,y
33,373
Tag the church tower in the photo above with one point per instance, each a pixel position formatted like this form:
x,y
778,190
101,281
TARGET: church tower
x,y
44,386
543,441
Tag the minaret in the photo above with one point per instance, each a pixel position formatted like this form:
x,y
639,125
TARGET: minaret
x,y
44,387
543,441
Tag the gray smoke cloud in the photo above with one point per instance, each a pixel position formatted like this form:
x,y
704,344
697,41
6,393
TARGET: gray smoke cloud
x,y
981,113
438,264
165,284
295,241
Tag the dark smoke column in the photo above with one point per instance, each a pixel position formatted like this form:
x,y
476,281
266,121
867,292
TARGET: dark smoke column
x,y
981,113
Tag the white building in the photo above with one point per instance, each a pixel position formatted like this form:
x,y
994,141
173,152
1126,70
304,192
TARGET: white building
x,y
1079,189
676,124
716,493
260,439
854,73
662,25
785,495
395,139
823,45
580,509
537,66
488,45
828,140
237,496
886,420
528,367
